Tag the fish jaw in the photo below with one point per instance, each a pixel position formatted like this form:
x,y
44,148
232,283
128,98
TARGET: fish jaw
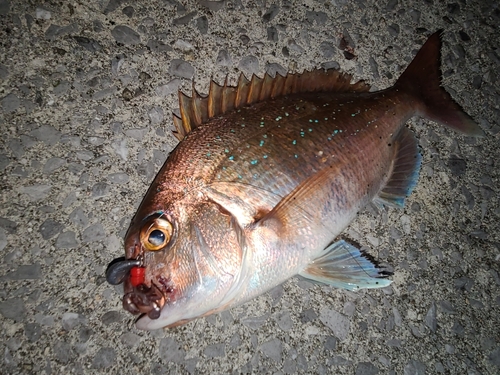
x,y
202,297
165,319
171,296
176,313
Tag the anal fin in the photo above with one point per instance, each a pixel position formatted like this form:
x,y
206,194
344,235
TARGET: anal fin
x,y
344,266
405,171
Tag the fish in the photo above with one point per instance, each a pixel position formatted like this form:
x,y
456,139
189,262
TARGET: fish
x,y
266,177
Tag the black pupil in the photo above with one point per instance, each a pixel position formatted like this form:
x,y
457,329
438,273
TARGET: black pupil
x,y
156,237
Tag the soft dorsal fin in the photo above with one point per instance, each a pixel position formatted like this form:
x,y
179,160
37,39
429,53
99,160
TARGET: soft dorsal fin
x,y
197,109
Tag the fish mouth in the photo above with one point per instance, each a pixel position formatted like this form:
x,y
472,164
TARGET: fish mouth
x,y
137,299
142,299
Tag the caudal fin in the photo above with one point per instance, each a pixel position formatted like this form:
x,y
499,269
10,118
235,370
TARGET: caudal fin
x,y
422,79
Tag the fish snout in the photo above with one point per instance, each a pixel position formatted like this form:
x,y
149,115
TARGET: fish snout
x,y
132,246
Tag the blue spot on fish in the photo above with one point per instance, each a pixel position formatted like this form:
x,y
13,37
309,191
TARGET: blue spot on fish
x,y
261,143
231,157
294,142
253,162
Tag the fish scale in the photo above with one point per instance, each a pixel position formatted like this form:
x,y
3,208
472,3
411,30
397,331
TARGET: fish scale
x,y
244,158
265,178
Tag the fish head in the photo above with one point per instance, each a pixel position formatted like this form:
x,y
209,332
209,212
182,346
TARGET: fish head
x,y
191,257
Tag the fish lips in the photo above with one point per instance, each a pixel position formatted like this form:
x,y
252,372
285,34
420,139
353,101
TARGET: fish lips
x,y
143,300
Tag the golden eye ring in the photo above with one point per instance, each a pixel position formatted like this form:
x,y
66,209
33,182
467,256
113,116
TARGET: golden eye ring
x,y
157,234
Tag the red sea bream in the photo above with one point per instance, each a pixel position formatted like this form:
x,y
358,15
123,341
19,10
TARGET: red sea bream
x,y
265,178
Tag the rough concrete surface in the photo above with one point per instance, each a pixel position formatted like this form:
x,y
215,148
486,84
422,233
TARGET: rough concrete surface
x,y
86,95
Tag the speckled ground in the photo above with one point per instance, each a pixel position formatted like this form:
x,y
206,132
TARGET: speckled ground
x,y
86,95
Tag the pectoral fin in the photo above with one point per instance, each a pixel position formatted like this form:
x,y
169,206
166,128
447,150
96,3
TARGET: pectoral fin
x,y
344,266
405,171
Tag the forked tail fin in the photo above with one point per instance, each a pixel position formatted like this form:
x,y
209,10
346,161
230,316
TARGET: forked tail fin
x,y
422,79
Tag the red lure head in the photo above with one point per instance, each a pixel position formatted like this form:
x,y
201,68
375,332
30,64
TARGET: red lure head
x,y
137,276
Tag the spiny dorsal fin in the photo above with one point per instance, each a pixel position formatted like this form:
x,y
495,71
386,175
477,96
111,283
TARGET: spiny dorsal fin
x,y
197,109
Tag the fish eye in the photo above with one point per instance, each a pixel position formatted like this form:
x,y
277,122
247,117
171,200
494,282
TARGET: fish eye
x,y
156,237
157,234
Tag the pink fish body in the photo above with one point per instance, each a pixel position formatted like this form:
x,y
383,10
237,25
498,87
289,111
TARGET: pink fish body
x,y
266,177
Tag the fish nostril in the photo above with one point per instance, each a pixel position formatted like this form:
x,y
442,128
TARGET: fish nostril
x,y
132,247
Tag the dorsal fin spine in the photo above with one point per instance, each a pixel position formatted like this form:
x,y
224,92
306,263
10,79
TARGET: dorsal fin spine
x,y
184,108
199,109
242,91
179,132
223,101
214,98
255,87
267,87
228,97
279,84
